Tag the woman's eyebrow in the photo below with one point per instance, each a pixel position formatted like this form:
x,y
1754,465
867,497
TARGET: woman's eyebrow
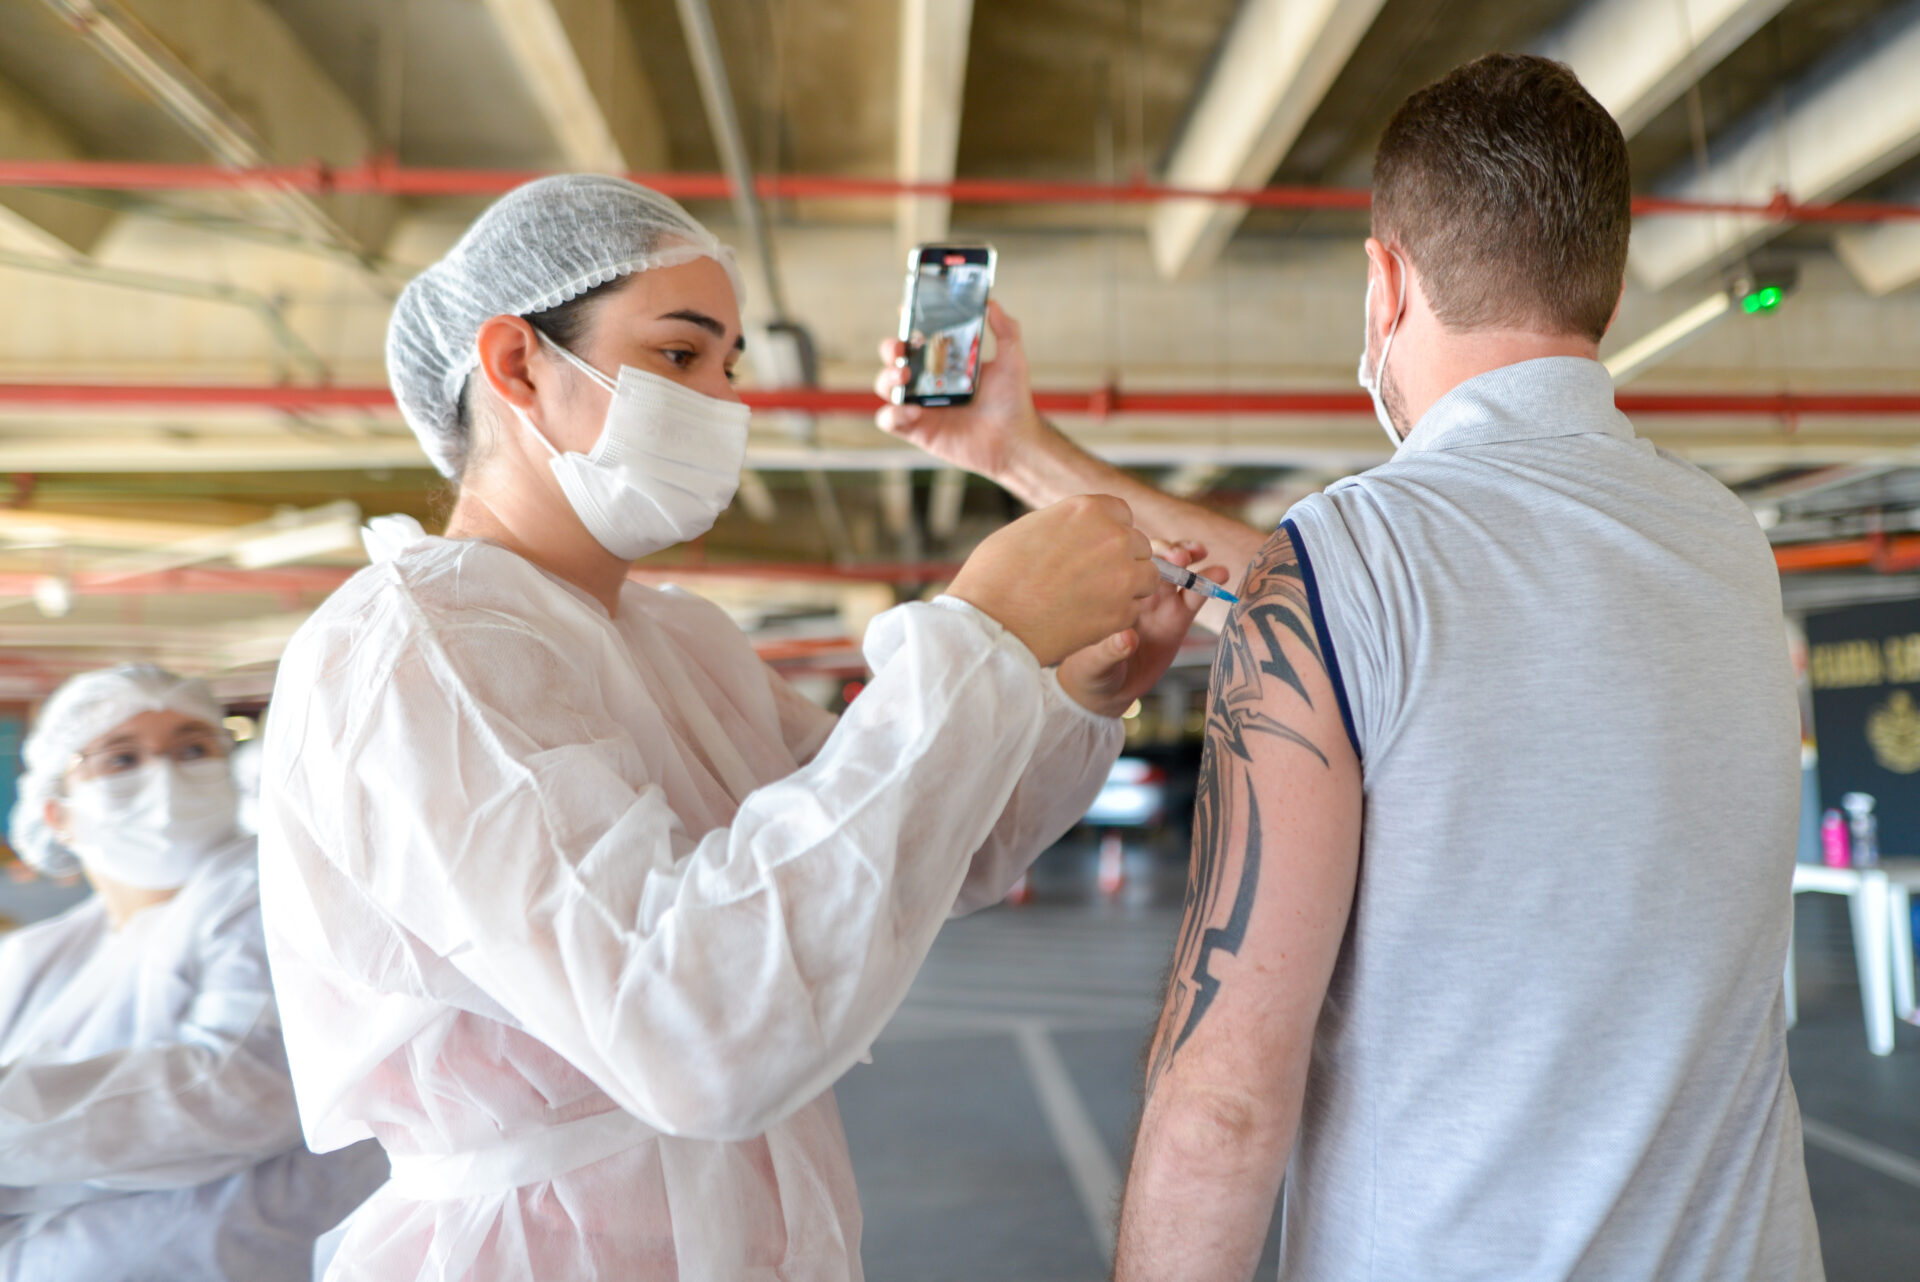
x,y
707,323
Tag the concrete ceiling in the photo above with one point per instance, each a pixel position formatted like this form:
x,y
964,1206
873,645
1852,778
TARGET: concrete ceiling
x,y
121,286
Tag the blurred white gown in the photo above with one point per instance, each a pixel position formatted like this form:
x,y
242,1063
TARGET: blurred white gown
x,y
147,1125
582,917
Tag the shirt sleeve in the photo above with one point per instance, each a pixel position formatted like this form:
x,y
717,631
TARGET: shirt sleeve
x,y
1069,764
804,724
710,986
213,1101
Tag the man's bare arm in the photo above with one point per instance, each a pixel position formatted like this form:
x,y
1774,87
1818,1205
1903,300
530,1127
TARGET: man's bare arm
x,y
1000,436
1050,464
1275,858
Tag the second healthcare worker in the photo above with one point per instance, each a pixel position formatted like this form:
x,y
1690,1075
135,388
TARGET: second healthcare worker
x,y
147,1125
572,902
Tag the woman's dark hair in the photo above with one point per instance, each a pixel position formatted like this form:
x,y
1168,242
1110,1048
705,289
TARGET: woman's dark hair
x,y
566,325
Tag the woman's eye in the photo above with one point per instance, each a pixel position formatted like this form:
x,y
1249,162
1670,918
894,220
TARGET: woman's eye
x,y
679,358
193,751
120,761
733,374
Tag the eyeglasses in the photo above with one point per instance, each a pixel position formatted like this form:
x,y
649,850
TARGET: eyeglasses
x,y
125,758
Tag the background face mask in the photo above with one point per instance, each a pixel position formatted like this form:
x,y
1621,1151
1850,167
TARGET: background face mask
x,y
1371,379
666,465
153,826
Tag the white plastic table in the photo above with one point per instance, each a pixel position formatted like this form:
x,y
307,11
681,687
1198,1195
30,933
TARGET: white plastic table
x,y
1880,902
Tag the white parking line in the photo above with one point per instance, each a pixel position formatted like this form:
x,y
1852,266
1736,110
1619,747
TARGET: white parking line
x,y
1089,1165
1873,1156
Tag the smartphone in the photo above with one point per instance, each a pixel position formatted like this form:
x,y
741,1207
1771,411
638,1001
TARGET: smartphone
x,y
943,321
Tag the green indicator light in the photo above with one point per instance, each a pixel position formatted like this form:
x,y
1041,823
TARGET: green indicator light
x,y
1761,300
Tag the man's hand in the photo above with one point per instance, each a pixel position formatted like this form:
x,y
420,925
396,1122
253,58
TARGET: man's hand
x,y
1063,577
1105,678
1000,436
983,435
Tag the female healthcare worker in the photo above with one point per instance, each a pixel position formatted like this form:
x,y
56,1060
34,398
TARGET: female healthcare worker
x,y
147,1125
572,902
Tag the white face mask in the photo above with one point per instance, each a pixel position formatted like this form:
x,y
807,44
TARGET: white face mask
x,y
665,467
1371,378
153,826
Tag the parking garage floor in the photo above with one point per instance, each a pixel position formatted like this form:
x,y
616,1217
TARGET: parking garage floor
x,y
992,1128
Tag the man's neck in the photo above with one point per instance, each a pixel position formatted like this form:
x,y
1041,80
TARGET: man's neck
x,y
555,542
1450,359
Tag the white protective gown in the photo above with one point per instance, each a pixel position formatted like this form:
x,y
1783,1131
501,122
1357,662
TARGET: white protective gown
x,y
147,1124
582,917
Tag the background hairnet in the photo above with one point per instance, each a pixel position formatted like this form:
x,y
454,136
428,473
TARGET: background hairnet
x,y
536,247
79,712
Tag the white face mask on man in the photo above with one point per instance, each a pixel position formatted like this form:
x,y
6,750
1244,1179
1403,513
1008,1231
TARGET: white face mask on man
x,y
153,826
1371,379
666,464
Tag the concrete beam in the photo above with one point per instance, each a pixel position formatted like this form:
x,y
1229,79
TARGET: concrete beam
x,y
1853,118
934,35
235,77
43,222
72,529
1638,56
162,452
1275,64
1886,257
580,61
201,648
1334,449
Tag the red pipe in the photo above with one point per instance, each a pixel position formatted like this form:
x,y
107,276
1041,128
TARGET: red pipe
x,y
1879,552
912,573
197,396
382,177
1099,403
296,579
199,580
1888,555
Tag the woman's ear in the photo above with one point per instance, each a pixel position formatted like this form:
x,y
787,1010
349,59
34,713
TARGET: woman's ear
x,y
56,816
507,345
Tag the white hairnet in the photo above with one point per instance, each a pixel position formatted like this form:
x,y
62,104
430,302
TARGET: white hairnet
x,y
536,247
76,714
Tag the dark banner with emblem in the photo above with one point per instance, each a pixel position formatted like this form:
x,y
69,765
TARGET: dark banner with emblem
x,y
1864,665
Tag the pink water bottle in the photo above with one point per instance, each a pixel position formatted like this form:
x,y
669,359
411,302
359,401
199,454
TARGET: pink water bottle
x,y
1834,852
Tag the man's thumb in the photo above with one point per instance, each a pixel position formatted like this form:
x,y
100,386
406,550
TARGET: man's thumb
x,y
1005,328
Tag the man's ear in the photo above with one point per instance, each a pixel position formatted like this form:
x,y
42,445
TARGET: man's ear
x,y
1383,278
1378,261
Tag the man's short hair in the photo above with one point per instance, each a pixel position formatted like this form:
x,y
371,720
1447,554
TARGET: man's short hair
x,y
1507,186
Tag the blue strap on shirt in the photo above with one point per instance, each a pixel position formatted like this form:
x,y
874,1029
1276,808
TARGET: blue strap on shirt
x,y
1320,631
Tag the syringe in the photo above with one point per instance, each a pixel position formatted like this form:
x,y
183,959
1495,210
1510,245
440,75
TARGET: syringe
x,y
1192,582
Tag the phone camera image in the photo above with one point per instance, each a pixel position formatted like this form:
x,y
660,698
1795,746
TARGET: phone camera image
x,y
946,319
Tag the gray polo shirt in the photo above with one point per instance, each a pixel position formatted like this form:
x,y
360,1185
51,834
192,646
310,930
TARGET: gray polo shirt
x,y
1554,1043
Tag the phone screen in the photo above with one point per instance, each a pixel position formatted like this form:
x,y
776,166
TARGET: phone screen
x,y
945,320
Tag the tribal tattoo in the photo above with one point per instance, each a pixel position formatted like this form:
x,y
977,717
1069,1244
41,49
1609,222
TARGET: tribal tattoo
x,y
1250,661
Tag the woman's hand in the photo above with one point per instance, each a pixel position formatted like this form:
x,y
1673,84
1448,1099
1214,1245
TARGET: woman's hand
x,y
1107,676
1063,577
